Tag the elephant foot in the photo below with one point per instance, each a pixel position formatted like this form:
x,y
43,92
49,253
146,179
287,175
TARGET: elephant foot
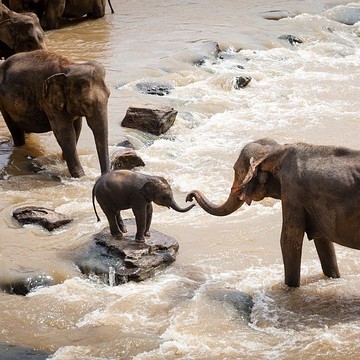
x,y
147,234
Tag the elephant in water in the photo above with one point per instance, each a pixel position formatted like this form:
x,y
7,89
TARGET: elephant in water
x,y
19,33
319,190
52,11
124,189
41,91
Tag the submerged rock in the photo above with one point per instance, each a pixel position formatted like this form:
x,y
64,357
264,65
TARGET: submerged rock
x,y
14,352
6,149
22,284
47,218
241,82
148,118
151,88
291,39
126,159
345,14
117,261
276,14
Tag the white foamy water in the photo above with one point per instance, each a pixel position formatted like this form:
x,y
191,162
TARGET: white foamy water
x,y
307,92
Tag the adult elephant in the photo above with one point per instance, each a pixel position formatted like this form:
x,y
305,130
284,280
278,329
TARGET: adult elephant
x,y
319,190
53,10
19,32
41,91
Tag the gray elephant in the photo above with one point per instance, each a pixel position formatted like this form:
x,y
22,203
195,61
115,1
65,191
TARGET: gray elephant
x,y
41,91
319,190
53,10
19,32
124,189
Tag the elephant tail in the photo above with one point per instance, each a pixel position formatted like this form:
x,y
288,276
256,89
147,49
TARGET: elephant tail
x,y
112,10
93,201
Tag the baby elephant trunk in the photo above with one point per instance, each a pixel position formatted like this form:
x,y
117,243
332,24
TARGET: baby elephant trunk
x,y
177,208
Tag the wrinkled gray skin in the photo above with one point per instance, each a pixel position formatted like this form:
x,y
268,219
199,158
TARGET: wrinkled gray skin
x,y
124,189
53,10
319,190
19,32
41,91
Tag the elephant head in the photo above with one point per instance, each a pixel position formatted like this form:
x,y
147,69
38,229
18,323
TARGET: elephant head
x,y
19,32
255,178
159,191
79,92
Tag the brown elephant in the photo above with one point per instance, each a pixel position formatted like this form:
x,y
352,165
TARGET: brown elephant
x,y
319,191
41,91
124,189
19,32
51,11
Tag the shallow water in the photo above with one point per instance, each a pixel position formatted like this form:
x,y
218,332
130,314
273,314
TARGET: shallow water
x,y
307,92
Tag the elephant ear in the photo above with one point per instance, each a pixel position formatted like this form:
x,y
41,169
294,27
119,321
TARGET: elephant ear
x,y
148,190
260,165
54,95
6,35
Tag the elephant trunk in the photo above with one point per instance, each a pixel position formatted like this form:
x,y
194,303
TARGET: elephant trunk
x,y
177,208
228,207
99,126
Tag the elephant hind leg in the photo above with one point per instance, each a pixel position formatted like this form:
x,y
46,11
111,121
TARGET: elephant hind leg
x,y
120,222
327,256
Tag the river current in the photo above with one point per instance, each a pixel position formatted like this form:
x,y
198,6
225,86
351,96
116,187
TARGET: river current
x,y
305,92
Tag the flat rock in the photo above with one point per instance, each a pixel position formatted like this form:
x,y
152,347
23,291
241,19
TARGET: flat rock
x,y
116,261
276,14
47,218
148,118
126,159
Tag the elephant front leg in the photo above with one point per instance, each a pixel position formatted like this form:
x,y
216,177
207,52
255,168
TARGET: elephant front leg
x,y
17,133
140,218
66,136
149,212
327,256
292,235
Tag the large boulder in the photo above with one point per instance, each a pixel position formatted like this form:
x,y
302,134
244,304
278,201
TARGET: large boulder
x,y
345,14
47,218
149,118
117,261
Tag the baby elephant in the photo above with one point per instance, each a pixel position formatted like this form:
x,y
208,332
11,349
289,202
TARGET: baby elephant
x,y
124,189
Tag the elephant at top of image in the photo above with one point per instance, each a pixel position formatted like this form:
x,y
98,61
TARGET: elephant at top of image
x,y
41,91
50,12
19,32
319,190
124,189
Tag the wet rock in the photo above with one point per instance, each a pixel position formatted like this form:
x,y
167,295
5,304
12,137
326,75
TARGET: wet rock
x,y
47,218
291,39
345,14
117,261
126,144
126,159
6,149
22,284
148,118
213,50
276,14
14,352
241,301
241,82
152,88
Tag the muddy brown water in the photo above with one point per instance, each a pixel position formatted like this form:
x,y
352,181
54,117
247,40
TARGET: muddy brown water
x,y
307,92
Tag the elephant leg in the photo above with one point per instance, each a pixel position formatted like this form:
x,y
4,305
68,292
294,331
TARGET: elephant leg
x,y
149,212
120,223
17,134
140,218
77,126
292,235
66,137
327,256
113,224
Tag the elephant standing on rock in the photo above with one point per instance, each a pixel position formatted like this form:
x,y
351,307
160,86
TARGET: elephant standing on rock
x,y
41,91
124,189
319,187
53,10
19,33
